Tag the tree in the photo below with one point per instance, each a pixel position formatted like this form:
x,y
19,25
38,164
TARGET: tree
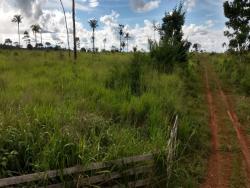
x,y
150,44
36,29
74,29
66,25
8,42
238,13
78,43
155,28
172,48
93,24
123,44
196,47
135,49
121,27
26,37
127,37
18,19
47,44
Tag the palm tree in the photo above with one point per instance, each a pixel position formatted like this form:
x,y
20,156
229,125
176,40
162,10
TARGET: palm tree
x,y
17,19
66,25
93,24
127,37
74,28
36,29
121,34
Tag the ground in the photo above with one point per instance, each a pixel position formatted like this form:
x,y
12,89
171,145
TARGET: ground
x,y
56,114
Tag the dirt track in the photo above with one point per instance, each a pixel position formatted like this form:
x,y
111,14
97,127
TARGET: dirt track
x,y
229,143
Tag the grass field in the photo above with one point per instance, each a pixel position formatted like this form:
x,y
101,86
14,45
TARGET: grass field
x,y
54,114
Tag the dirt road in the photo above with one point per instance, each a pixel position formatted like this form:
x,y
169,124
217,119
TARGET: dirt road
x,y
229,162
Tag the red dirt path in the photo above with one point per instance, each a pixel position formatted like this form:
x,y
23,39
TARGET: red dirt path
x,y
214,165
219,164
243,142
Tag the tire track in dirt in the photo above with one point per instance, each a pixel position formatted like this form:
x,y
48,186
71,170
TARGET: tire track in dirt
x,y
229,142
213,178
242,139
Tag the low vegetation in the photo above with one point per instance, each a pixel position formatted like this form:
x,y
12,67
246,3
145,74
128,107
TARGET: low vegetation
x,y
55,114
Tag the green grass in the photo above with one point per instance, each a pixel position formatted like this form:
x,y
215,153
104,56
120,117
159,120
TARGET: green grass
x,y
54,114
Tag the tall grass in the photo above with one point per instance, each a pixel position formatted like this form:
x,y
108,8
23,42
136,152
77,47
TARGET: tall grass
x,y
235,70
54,114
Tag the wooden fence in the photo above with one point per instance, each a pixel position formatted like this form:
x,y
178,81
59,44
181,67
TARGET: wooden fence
x,y
130,172
136,171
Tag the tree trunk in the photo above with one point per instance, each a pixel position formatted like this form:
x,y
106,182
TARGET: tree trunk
x,y
93,40
120,43
74,29
18,33
66,25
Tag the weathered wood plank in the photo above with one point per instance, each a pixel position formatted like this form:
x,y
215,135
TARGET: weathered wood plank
x,y
72,170
115,175
108,177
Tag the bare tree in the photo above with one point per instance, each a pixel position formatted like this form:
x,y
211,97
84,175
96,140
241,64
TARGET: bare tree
x,y
74,29
18,19
66,25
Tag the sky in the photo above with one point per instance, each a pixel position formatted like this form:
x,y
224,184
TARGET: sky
x,y
205,22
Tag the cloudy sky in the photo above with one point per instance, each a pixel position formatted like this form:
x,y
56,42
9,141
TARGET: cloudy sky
x,y
204,20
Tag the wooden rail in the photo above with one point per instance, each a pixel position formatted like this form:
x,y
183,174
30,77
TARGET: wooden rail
x,y
145,163
137,170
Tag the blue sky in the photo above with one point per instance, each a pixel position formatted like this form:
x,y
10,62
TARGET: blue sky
x,y
204,24
202,11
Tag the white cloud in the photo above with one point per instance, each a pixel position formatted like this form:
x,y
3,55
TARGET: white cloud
x,y
52,22
209,38
142,6
189,4
111,19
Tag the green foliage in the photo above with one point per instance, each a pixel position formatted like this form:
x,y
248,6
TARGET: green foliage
x,y
238,11
54,114
172,48
235,70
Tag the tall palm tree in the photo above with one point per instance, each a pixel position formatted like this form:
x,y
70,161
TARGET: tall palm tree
x,y
121,34
36,29
127,37
74,28
17,19
66,25
93,24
